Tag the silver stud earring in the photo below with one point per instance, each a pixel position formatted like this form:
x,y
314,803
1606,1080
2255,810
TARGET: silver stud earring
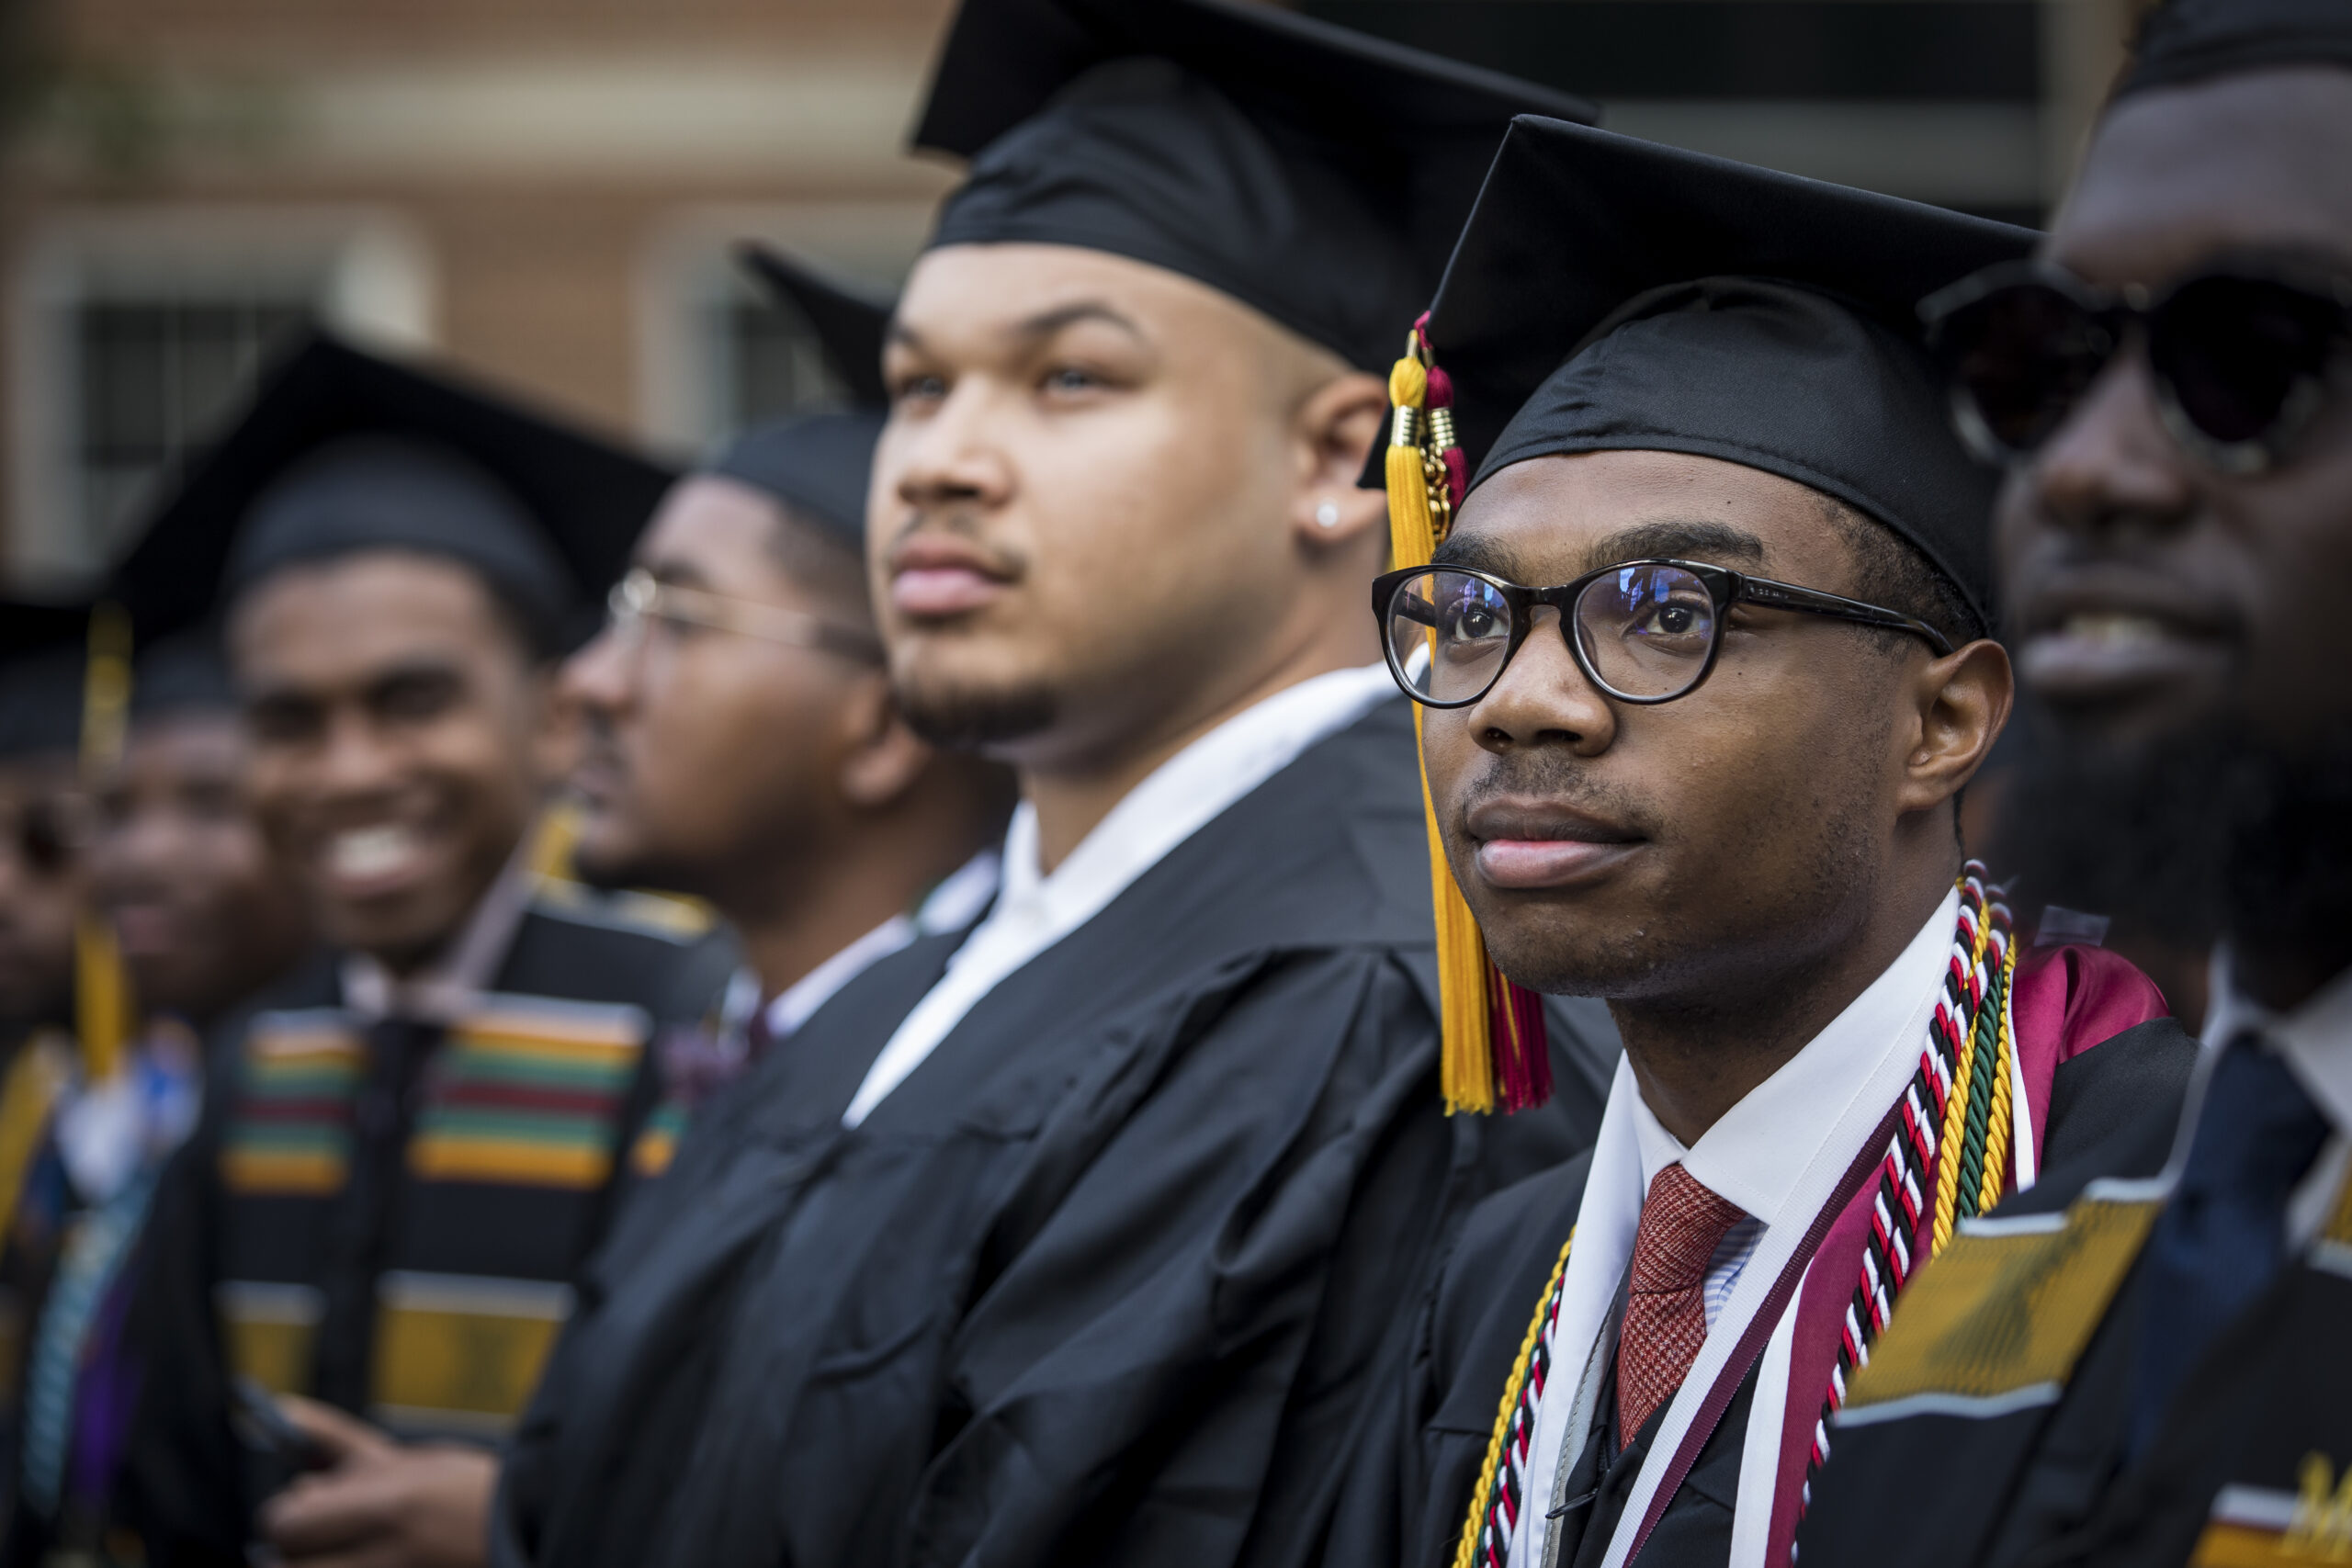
x,y
1327,516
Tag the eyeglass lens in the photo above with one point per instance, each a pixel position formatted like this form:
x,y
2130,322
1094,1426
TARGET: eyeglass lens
x,y
1644,631
2233,353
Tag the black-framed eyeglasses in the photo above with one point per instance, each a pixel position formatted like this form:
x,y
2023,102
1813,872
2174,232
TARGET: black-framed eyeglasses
x,y
1644,631
640,596
2242,356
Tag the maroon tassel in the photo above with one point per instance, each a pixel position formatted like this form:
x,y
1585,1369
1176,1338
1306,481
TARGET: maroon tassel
x,y
1522,1046
1449,450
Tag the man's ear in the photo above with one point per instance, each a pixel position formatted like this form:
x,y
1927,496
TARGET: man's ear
x,y
1960,701
1336,426
883,758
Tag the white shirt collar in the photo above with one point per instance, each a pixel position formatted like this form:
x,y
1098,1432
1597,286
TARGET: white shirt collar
x,y
2315,1038
1778,1154
1757,1150
1176,800
454,983
1183,793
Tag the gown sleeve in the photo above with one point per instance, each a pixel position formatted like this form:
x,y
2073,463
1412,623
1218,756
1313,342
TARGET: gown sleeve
x,y
183,1487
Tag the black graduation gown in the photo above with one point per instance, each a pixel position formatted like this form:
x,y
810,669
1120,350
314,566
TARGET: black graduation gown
x,y
2049,1484
1410,1494
1101,1280
387,1216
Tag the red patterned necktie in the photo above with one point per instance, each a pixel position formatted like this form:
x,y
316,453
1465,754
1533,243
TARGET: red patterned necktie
x,y
1666,1310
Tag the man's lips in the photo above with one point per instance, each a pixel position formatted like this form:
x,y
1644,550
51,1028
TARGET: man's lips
x,y
2096,641
1525,845
931,578
371,862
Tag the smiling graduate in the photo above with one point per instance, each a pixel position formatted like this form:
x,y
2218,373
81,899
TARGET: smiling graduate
x,y
408,1145
1703,668
2170,386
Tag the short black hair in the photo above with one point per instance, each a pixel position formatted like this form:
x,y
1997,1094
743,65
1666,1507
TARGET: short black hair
x,y
1895,574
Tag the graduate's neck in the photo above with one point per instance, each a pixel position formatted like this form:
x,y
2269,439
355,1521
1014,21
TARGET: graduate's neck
x,y
792,912
1702,1050
1072,791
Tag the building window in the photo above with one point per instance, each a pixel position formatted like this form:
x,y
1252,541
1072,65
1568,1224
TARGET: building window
x,y
157,375
716,354
138,336
766,363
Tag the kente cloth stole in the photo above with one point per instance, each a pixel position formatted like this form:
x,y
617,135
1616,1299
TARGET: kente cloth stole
x,y
2001,1323
525,1097
1948,1161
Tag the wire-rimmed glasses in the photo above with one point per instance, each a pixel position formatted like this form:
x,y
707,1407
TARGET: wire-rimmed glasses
x,y
640,596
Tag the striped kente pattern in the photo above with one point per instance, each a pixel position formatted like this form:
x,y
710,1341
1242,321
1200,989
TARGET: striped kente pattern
x,y
528,1094
288,1135
657,1142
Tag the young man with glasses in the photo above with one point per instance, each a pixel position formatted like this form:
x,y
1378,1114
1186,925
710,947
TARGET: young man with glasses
x,y
409,1146
2142,1360
1703,670
1072,1237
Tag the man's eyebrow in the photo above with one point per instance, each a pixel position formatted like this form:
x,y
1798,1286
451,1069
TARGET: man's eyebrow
x,y
683,573
1478,554
1046,323
413,670
1031,329
1699,539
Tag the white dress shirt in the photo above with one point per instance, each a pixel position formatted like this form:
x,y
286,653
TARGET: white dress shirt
x,y
2317,1041
454,983
1176,800
1660,1149
1778,1154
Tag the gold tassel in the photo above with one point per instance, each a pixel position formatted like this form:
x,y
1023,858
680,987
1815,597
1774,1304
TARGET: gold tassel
x,y
1465,1061
103,1007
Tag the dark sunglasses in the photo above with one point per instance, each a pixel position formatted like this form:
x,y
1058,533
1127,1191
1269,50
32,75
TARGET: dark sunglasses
x,y
1644,631
2242,357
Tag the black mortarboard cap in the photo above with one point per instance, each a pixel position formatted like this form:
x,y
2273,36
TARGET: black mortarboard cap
x,y
819,465
43,652
187,672
1614,294
1314,174
342,450
2189,40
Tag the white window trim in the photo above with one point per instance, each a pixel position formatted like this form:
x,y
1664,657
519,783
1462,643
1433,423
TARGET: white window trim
x,y
687,265
373,278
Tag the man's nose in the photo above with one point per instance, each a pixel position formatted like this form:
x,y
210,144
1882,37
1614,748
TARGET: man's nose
x,y
2114,463
1544,698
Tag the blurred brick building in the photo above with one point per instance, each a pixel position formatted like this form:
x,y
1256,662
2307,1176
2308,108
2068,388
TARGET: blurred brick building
x,y
545,191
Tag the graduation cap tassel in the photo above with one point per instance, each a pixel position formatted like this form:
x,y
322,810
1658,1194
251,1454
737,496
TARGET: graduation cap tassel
x,y
1493,1030
102,1001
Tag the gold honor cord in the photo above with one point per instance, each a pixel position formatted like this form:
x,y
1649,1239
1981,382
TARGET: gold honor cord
x,y
1482,1500
103,1007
